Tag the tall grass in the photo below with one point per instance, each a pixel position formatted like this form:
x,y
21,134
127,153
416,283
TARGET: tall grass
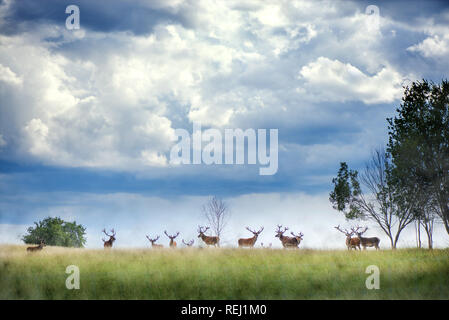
x,y
222,274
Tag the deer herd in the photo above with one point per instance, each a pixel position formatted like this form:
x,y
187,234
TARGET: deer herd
x,y
287,242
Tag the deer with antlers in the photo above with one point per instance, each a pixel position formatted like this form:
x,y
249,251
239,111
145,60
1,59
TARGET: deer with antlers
x,y
108,244
250,242
172,239
367,242
37,248
209,240
298,237
188,244
351,243
288,242
153,244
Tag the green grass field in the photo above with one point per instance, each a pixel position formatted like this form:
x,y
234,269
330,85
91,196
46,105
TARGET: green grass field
x,y
222,274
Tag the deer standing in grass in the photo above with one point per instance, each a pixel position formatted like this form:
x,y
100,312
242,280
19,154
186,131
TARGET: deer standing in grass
x,y
250,242
188,244
172,239
37,248
350,242
108,244
153,244
367,242
298,237
210,241
288,242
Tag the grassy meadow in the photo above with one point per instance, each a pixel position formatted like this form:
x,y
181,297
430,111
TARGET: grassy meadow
x,y
209,273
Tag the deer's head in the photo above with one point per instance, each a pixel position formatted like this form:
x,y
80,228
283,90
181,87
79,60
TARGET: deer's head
x,y
255,233
359,233
172,238
152,240
201,231
111,236
279,232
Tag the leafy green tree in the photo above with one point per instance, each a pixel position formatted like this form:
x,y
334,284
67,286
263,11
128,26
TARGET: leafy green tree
x,y
419,146
383,203
56,232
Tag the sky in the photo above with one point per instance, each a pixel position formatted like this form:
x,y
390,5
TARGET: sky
x,y
88,115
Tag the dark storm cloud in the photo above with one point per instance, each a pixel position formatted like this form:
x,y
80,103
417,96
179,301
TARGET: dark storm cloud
x,y
102,15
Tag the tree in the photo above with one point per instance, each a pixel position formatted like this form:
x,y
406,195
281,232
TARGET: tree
x,y
384,204
419,144
424,210
217,214
56,232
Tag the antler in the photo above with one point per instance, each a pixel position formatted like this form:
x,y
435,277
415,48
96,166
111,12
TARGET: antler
x,y
200,229
279,229
171,237
112,230
190,243
254,232
152,240
346,232
361,232
300,235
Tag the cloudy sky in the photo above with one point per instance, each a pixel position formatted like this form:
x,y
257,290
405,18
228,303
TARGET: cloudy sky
x,y
87,116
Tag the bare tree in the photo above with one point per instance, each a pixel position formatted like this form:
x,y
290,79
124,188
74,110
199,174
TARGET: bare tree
x,y
384,202
387,207
217,214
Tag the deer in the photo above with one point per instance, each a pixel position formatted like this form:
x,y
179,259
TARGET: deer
x,y
188,244
350,242
172,239
367,242
153,244
37,248
250,242
298,237
287,242
108,244
210,241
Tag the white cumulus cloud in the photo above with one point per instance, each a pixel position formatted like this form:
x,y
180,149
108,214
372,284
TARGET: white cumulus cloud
x,y
333,80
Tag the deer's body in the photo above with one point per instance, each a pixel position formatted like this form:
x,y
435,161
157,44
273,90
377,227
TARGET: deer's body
x,y
288,242
352,243
249,242
37,248
209,240
108,244
369,242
